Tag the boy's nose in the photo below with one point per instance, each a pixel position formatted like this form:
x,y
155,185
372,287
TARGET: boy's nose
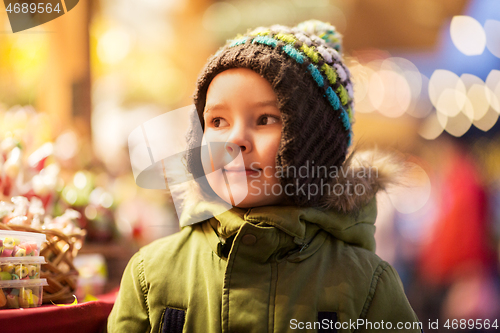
x,y
239,138
230,148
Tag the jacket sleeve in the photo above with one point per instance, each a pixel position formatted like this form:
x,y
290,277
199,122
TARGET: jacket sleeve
x,y
130,312
387,305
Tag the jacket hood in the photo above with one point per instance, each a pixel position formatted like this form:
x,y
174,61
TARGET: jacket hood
x,y
365,173
348,216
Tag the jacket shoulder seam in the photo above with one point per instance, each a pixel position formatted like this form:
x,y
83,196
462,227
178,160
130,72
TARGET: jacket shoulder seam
x,y
143,282
373,287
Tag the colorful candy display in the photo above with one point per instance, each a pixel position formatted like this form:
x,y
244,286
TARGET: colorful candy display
x,y
20,268
16,294
20,244
34,186
11,247
30,213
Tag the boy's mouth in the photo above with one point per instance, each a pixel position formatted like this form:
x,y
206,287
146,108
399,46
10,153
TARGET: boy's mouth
x,y
240,170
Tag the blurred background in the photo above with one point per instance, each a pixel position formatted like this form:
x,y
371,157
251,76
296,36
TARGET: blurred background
x,y
427,84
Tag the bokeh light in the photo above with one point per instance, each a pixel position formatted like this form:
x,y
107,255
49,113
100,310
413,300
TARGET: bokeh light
x,y
221,16
487,121
450,102
391,86
468,35
492,31
361,76
398,94
493,84
447,92
458,125
431,127
478,97
421,105
414,193
114,45
376,90
461,102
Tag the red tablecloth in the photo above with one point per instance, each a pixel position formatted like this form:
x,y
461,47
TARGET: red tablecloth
x,y
88,317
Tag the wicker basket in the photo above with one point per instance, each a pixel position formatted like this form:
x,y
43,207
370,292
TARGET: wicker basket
x,y
59,252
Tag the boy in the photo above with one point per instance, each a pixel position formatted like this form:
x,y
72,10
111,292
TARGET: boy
x,y
299,257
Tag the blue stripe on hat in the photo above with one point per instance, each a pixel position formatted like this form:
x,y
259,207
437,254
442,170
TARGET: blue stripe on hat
x,y
293,53
333,98
238,41
265,40
316,74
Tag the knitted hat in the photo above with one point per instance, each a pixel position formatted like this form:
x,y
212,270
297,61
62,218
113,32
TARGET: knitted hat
x,y
314,91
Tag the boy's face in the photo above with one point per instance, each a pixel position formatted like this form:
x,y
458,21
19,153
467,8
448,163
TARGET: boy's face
x,y
241,114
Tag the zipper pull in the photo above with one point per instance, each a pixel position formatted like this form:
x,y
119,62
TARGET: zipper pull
x,y
305,246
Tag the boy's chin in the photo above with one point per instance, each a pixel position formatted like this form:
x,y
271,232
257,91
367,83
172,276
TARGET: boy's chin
x,y
242,194
242,198
257,201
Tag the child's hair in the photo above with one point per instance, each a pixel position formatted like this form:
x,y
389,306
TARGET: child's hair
x,y
304,66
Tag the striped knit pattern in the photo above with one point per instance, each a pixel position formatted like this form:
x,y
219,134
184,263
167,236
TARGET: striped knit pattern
x,y
314,94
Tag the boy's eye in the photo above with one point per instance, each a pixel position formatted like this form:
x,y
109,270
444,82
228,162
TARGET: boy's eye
x,y
219,122
268,120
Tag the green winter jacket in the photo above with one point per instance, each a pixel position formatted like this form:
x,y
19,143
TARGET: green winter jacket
x,y
265,269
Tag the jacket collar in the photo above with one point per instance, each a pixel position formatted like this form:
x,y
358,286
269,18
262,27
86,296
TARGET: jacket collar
x,y
301,224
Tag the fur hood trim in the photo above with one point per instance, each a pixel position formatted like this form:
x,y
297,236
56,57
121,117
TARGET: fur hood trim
x,y
362,175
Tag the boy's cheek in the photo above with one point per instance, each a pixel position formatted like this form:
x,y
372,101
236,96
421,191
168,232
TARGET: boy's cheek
x,y
206,161
211,153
